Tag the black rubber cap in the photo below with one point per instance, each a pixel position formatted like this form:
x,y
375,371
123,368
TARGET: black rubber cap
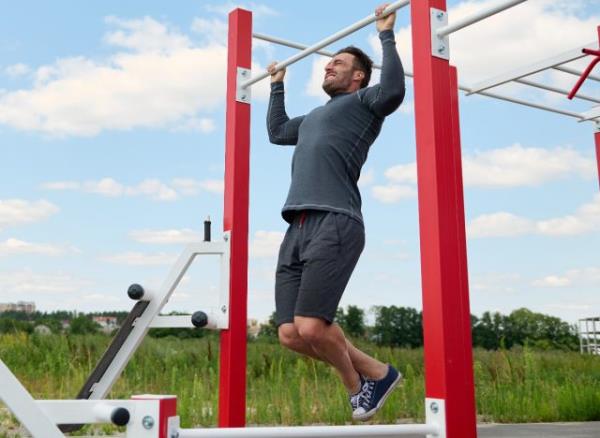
x,y
199,319
135,291
120,416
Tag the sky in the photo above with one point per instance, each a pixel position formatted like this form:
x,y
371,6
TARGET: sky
x,y
112,135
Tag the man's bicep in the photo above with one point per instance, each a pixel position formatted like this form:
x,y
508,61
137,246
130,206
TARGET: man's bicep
x,y
286,133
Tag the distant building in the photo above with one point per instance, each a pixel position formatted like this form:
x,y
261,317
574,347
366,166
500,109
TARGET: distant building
x,y
19,306
107,323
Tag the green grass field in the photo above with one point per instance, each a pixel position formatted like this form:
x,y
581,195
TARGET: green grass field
x,y
520,385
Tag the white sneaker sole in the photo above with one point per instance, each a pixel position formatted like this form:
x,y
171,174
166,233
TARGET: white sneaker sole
x,y
367,415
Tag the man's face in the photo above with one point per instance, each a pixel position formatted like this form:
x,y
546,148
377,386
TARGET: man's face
x,y
340,75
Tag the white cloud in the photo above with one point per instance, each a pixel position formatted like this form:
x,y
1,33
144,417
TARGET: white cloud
x,y
314,86
145,35
27,281
552,281
366,178
213,31
140,259
586,219
195,124
258,9
189,186
266,243
151,80
393,193
151,188
14,246
166,236
512,166
500,224
517,166
580,277
16,211
17,70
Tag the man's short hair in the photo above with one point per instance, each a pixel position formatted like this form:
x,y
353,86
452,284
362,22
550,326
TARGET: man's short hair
x,y
362,62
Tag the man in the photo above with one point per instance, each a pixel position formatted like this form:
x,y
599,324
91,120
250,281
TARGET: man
x,y
326,233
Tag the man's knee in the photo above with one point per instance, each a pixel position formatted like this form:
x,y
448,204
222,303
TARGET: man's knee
x,y
288,335
311,330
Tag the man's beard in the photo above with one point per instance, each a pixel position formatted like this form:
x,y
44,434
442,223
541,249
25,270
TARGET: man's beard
x,y
333,88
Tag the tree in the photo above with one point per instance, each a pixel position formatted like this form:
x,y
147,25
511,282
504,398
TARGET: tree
x,y
82,325
354,321
398,327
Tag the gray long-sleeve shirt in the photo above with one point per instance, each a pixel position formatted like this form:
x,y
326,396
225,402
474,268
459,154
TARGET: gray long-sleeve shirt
x,y
333,140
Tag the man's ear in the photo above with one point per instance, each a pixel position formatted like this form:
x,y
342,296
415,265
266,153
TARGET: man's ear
x,y
360,75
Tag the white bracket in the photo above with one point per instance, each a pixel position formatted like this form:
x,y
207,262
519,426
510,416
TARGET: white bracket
x,y
440,46
435,414
242,95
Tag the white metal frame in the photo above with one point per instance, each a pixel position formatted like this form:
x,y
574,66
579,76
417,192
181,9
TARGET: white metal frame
x,y
151,318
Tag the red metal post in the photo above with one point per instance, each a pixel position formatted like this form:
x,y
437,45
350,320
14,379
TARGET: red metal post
x,y
232,372
446,314
597,139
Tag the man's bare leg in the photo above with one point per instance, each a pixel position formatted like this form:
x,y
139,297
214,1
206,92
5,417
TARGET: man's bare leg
x,y
364,364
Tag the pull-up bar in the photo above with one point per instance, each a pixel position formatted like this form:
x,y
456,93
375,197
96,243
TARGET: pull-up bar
x,y
329,40
467,21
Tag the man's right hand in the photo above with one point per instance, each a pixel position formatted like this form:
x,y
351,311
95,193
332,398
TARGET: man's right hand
x,y
275,76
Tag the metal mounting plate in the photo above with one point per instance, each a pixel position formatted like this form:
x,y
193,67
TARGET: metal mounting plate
x,y
242,95
435,413
440,46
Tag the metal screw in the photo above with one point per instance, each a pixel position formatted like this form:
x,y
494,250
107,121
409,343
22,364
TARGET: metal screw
x,y
243,72
148,422
223,309
243,97
434,407
174,434
441,48
440,15
226,237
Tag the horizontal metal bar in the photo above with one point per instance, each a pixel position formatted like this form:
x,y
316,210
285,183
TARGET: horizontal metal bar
x,y
575,72
183,321
462,87
329,40
467,21
555,90
313,431
530,104
536,67
592,114
293,45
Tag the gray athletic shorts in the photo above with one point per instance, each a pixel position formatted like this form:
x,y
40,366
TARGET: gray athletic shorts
x,y
316,259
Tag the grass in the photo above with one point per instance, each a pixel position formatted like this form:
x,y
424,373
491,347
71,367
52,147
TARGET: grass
x,y
520,385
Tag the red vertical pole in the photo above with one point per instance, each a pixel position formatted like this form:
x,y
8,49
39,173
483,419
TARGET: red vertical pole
x,y
597,139
232,371
446,315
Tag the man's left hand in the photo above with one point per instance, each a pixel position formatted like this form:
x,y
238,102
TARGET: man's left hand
x,y
387,22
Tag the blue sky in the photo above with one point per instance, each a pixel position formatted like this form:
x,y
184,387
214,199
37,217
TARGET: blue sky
x,y
112,133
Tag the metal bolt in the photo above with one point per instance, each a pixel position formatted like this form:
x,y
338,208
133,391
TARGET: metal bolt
x,y
174,434
226,237
243,97
440,15
441,48
243,72
434,407
148,422
223,309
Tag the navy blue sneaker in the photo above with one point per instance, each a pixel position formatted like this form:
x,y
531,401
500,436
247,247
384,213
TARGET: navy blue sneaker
x,y
373,394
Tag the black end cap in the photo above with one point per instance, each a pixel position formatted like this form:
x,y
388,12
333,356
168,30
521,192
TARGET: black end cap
x,y
135,292
120,417
199,319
